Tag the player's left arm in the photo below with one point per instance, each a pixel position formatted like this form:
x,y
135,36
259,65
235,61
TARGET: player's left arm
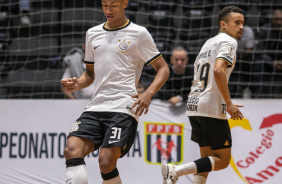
x,y
144,99
222,84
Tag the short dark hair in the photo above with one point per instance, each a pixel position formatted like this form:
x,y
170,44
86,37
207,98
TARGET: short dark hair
x,y
179,48
226,11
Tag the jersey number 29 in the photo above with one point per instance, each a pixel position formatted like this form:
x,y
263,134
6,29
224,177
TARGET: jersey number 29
x,y
204,75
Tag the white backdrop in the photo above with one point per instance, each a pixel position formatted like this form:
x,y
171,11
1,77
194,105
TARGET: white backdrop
x,y
33,133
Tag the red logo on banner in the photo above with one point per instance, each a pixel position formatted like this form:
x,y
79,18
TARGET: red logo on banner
x,y
164,147
265,145
164,128
271,120
163,143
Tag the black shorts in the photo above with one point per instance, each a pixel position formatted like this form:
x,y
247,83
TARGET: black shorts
x,y
106,129
211,132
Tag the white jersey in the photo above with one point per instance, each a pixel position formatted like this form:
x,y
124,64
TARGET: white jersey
x,y
205,98
118,56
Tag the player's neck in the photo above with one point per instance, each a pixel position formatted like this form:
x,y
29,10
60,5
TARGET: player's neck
x,y
117,24
221,31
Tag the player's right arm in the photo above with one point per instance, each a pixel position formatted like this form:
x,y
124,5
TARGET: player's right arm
x,y
66,75
85,80
221,81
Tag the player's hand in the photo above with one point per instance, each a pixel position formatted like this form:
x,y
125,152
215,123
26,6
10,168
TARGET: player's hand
x,y
71,84
234,111
143,102
174,100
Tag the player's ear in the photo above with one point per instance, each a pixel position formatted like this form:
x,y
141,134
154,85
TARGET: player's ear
x,y
125,3
222,25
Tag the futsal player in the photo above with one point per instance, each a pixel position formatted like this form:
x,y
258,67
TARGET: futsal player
x,y
115,54
209,100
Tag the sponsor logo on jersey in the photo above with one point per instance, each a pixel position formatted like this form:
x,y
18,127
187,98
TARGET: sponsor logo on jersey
x,y
113,141
229,50
75,126
128,107
192,104
163,143
95,47
227,56
123,46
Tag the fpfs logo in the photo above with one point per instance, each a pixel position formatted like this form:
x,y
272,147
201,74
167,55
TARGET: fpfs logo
x,y
261,161
163,142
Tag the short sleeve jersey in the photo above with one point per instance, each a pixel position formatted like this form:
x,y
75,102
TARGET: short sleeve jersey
x,y
118,56
205,98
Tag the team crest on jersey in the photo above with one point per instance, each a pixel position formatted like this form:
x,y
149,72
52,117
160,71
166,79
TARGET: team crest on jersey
x,y
123,46
163,143
75,126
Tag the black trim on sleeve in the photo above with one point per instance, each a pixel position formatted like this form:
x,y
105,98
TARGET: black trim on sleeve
x,y
225,59
153,59
89,62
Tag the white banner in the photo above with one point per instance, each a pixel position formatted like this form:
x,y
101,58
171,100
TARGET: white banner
x,y
33,135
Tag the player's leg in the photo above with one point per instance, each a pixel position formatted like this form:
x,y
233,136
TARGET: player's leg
x,y
120,132
84,137
200,168
201,178
220,159
108,165
75,151
169,170
214,139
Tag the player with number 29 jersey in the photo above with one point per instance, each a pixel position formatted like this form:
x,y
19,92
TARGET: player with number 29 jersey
x,y
209,101
205,98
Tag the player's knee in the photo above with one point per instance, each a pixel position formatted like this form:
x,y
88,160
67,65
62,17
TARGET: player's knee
x,y
106,164
69,152
221,165
224,162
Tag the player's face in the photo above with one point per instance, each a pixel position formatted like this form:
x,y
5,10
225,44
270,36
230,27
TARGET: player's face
x,y
114,10
234,25
179,60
